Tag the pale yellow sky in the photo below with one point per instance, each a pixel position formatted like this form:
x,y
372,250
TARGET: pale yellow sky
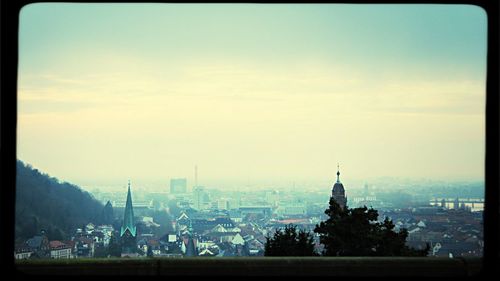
x,y
100,112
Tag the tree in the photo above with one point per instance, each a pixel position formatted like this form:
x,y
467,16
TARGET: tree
x,y
100,251
149,252
32,229
289,242
356,232
43,201
54,233
114,247
164,219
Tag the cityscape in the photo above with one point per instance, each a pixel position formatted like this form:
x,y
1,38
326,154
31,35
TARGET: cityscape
x,y
202,221
250,130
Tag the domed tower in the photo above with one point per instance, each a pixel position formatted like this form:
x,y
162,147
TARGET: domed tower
x,y
338,191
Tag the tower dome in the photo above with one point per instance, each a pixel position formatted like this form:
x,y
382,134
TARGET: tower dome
x,y
338,186
338,191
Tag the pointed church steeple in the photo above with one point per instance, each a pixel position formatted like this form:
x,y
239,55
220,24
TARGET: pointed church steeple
x,y
190,228
190,248
128,216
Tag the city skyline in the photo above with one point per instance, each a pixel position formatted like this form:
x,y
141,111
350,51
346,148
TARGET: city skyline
x,y
357,185
252,93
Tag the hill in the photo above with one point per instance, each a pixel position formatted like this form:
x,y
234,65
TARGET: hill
x,y
43,202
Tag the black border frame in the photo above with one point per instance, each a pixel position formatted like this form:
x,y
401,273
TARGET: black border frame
x,y
9,57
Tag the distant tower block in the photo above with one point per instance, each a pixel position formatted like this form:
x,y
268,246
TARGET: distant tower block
x,y
338,191
195,175
178,185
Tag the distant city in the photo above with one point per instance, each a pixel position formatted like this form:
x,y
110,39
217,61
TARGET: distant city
x,y
203,221
174,130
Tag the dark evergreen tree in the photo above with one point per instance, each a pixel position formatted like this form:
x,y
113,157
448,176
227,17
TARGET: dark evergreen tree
x,y
55,234
149,253
33,229
164,220
356,232
114,247
100,251
290,242
173,209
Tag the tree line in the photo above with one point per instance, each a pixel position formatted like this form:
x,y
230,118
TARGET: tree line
x,y
45,203
347,232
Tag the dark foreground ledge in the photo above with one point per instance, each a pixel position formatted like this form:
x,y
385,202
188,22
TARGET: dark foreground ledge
x,y
258,266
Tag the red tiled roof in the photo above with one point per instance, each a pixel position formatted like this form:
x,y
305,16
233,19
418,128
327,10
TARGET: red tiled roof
x,y
57,244
70,243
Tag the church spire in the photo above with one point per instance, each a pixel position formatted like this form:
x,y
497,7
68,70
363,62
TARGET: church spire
x,y
190,248
190,228
128,216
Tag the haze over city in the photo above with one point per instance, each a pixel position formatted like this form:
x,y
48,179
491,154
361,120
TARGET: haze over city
x,y
268,94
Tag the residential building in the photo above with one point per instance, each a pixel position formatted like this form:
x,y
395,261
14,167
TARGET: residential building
x,y
59,250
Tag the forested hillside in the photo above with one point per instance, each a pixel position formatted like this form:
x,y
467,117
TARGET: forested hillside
x,y
43,202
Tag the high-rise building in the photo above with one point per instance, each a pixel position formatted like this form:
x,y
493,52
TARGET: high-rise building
x,y
292,208
200,198
273,198
365,191
128,232
456,204
223,204
338,191
178,186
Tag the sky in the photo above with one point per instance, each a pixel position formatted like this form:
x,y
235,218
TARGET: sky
x,y
251,93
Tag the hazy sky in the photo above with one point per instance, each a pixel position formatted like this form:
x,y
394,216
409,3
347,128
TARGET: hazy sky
x,y
252,93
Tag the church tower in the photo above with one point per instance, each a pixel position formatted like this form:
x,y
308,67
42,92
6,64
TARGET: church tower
x,y
338,192
191,250
128,230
